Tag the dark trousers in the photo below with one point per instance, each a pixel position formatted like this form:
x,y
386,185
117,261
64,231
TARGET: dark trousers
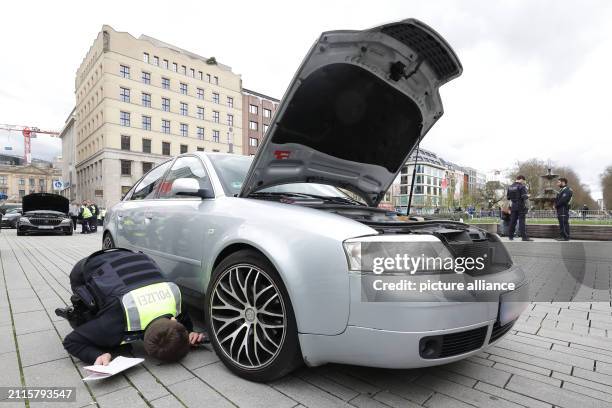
x,y
564,228
93,224
518,216
85,225
74,221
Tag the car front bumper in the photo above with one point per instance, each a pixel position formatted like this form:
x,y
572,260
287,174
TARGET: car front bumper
x,y
394,334
43,229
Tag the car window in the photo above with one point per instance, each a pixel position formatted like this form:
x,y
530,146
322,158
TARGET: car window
x,y
231,170
147,186
185,167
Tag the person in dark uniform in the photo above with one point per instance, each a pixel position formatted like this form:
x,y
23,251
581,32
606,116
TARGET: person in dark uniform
x,y
562,205
517,193
120,296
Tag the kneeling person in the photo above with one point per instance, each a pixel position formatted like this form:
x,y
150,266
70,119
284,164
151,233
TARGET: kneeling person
x,y
119,297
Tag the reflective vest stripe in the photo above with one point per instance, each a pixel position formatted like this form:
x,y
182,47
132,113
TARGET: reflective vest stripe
x,y
143,305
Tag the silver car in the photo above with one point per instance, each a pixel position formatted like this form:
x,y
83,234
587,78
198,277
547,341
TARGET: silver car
x,y
270,246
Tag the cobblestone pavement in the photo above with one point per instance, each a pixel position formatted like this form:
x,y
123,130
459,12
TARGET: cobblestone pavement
x,y
558,354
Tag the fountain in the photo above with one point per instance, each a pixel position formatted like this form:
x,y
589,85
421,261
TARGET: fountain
x,y
546,199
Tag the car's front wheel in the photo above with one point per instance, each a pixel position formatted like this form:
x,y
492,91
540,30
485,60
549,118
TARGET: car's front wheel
x,y
107,241
250,319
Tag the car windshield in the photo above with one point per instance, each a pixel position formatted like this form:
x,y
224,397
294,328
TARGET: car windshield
x,y
232,171
14,210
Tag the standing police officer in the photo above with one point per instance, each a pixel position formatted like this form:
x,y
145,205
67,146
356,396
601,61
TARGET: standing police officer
x,y
517,193
562,205
120,296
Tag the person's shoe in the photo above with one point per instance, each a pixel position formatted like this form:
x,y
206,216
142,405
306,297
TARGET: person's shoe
x,y
527,239
510,239
561,239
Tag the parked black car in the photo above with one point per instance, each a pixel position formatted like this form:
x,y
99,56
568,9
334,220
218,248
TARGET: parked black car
x,y
10,218
43,213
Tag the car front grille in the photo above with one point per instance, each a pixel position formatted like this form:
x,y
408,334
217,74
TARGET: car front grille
x,y
499,330
45,221
448,345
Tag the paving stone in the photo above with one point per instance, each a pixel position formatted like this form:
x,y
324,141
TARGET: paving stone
x,y
351,382
364,401
31,322
573,350
39,347
7,340
169,401
107,386
593,376
195,393
242,392
603,396
326,384
145,383
546,354
58,373
126,397
20,305
487,374
551,394
307,394
394,400
604,368
511,396
199,357
596,342
533,363
529,374
442,401
9,374
465,394
593,385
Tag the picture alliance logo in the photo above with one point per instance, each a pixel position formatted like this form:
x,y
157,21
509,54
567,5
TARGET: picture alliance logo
x,y
412,265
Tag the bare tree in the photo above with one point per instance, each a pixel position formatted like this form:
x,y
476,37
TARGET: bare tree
x,y
606,186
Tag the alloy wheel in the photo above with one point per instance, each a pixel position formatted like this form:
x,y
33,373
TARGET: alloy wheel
x,y
108,243
247,316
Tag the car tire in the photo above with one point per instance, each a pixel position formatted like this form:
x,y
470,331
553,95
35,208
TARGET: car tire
x,y
20,233
107,241
69,232
261,320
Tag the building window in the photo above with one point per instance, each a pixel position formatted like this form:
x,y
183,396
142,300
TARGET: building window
x,y
166,104
3,180
200,93
183,88
174,67
184,109
230,102
215,97
32,181
253,109
124,71
124,94
146,77
183,70
22,182
165,126
267,113
200,133
200,112
253,125
208,77
230,120
184,129
215,136
146,100
215,116
126,167
21,193
200,149
200,75
216,80
166,148
253,141
146,167
146,122
146,145
124,118
184,148
192,72
125,142
155,60
165,83
145,57
265,128
165,64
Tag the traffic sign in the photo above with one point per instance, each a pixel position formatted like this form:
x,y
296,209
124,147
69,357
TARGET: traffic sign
x,y
58,185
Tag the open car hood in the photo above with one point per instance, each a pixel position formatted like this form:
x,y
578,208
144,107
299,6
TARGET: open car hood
x,y
356,108
45,201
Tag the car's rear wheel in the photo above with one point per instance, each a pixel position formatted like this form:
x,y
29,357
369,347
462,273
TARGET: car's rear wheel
x,y
250,319
107,241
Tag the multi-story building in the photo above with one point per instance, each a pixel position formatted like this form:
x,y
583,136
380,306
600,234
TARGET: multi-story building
x,y
140,101
430,171
257,112
17,181
68,164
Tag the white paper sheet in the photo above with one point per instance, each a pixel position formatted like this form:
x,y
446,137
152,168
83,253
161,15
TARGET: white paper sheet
x,y
119,364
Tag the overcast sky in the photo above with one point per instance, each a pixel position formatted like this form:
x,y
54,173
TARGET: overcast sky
x,y
536,79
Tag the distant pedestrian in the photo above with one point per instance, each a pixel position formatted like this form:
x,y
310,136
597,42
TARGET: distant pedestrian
x,y
562,205
517,193
73,210
85,215
585,211
93,222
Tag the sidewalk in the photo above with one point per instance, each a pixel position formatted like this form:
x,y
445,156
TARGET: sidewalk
x,y
557,354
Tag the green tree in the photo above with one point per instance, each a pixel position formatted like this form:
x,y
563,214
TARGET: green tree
x,y
606,186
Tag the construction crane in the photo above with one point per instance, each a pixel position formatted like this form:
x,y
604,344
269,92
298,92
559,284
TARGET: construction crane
x,y
28,133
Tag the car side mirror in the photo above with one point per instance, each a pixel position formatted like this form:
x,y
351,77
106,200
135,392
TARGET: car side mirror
x,y
190,187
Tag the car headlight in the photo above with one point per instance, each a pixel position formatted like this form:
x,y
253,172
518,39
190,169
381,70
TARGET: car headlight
x,y
24,220
66,221
401,254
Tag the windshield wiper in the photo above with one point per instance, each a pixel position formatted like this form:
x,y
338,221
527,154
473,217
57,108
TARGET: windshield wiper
x,y
332,199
